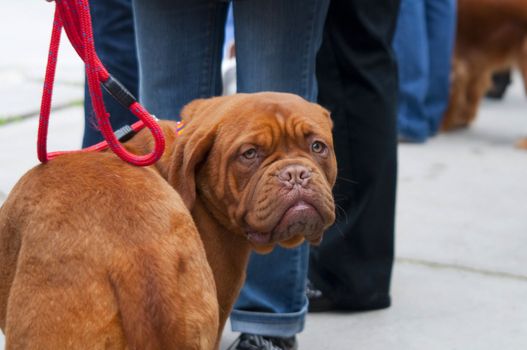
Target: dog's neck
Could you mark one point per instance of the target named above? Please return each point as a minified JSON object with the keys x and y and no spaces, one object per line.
{"x":228,"y":255}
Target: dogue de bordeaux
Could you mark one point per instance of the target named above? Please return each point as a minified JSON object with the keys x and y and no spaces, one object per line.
{"x":491,"y":36}
{"x":96,"y":253}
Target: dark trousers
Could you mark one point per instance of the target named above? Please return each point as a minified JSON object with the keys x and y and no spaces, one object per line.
{"x":114,"y":35}
{"x":357,"y":77}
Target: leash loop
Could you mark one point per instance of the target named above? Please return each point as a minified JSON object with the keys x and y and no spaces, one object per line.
{"x":74,"y":17}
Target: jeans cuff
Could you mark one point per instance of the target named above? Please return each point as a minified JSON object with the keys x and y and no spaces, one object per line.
{"x":268,"y":323}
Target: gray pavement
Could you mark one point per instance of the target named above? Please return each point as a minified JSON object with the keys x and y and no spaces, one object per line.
{"x":460,"y":279}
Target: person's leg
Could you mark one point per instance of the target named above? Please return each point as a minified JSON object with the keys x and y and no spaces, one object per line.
{"x":113,"y":30}
{"x":272,"y":301}
{"x":276,"y":45}
{"x":411,"y":49}
{"x":180,"y":50}
{"x":357,"y":77}
{"x":441,"y":24}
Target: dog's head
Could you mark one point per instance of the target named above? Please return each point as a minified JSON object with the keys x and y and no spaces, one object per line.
{"x":262,"y":164}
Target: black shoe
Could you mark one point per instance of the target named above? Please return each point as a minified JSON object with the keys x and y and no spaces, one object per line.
{"x":317,"y":301}
{"x":259,"y":342}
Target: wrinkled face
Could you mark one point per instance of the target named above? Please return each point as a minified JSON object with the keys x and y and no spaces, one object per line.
{"x":270,"y":172}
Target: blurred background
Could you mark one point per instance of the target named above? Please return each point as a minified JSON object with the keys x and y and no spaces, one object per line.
{"x":460,"y":277}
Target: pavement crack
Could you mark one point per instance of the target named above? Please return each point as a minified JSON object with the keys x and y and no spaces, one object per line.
{"x":457,"y":267}
{"x":15,"y":118}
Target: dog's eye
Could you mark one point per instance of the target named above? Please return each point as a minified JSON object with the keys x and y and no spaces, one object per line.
{"x":250,"y":153}
{"x":318,"y":147}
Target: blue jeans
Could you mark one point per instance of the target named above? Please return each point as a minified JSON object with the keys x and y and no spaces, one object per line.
{"x":180,"y":50}
{"x":113,"y":30}
{"x":423,"y":46}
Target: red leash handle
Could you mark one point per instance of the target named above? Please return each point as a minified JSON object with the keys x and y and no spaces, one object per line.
{"x":74,"y":15}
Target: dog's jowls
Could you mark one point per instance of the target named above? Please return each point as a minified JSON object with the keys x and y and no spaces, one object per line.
{"x":491,"y":36}
{"x":95,"y":253}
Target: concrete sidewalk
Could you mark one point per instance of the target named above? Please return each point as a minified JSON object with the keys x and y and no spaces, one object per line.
{"x":460,"y":279}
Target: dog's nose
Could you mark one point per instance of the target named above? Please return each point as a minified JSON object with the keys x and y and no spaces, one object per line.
{"x":295,"y":174}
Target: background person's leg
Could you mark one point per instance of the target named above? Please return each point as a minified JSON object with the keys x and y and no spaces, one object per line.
{"x":114,"y":35}
{"x":180,"y":50}
{"x":500,"y":82}
{"x":441,"y":24}
{"x":357,"y":77}
{"x":276,"y":45}
{"x":411,"y":49}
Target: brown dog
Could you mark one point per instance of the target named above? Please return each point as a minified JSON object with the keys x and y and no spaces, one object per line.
{"x":491,"y":36}
{"x":96,"y":253}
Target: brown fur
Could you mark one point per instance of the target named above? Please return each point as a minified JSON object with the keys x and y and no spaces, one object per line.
{"x":491,"y":36}
{"x":95,"y":253}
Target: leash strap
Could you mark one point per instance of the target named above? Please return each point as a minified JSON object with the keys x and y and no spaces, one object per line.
{"x":74,"y":17}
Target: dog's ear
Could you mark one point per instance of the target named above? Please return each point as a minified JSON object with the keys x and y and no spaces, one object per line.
{"x":326,"y":113}
{"x":192,"y":148}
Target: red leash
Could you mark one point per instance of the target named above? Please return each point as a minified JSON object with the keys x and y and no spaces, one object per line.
{"x":74,"y":16}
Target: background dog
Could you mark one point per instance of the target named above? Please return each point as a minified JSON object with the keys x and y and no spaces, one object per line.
{"x":491,"y":36}
{"x":96,"y":253}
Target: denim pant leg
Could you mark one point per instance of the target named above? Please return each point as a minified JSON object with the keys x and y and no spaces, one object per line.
{"x":440,"y":22}
{"x":113,"y":30}
{"x":411,"y":49}
{"x":180,"y":50}
{"x":276,"y":46}
{"x":272,"y":301}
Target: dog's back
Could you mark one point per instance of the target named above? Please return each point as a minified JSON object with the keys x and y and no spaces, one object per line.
{"x":492,"y":28}
{"x":491,"y":36}
{"x":95,"y":253}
